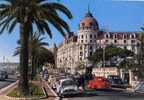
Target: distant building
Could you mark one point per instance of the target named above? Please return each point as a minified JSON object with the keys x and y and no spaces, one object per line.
{"x":77,"y":47}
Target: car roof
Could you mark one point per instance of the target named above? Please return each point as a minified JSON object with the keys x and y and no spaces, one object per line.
{"x":66,"y":79}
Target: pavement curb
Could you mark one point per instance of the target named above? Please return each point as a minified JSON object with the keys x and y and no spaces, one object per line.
{"x":8,"y":87}
{"x":52,"y":90}
{"x":15,"y":98}
{"x":24,"y":98}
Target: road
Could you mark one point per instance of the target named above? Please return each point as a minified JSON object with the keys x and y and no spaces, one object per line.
{"x":107,"y":95}
{"x":11,"y":79}
{"x":107,"y":98}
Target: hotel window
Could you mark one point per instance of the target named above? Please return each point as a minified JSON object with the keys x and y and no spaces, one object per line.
{"x":83,"y":24}
{"x":95,"y":36}
{"x":90,"y":36}
{"x":106,"y":41}
{"x":132,"y":36}
{"x":81,"y":41}
{"x":90,"y":41}
{"x":115,"y":36}
{"x":81,"y":53}
{"x":86,"y":36}
{"x":90,"y":53}
{"x":91,"y":47}
{"x":125,"y":41}
{"x":115,"y":41}
{"x":91,"y":24}
{"x":107,"y":36}
{"x":125,"y":36}
{"x":80,"y":58}
{"x":80,"y":47}
{"x":132,"y":41}
{"x":82,"y":36}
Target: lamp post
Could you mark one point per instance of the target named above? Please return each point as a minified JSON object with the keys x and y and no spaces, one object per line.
{"x":104,"y":58}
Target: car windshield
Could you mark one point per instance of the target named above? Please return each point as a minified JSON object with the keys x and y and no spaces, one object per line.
{"x":69,"y":82}
{"x":114,"y":77}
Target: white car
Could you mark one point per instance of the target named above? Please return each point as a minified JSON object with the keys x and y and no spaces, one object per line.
{"x":67,"y":87}
{"x":139,"y":88}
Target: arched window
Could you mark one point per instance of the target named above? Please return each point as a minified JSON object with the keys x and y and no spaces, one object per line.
{"x":83,"y":24}
{"x":82,"y":36}
{"x":80,"y":47}
{"x":91,"y":24}
{"x":132,"y":36}
{"x":107,"y":36}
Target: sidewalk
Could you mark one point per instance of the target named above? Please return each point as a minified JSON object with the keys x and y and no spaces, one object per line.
{"x":51,"y":95}
{"x":5,"y":90}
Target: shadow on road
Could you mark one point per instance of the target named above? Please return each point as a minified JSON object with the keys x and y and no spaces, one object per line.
{"x":108,"y":92}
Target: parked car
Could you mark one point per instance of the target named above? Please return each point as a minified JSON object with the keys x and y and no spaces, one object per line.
{"x":3,"y":75}
{"x":115,"y":80}
{"x":139,"y":88}
{"x":99,"y":83}
{"x":67,"y":87}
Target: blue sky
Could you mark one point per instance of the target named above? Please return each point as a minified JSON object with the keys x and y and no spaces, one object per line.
{"x":114,"y":15}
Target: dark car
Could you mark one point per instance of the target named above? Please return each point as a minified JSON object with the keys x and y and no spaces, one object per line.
{"x":115,"y":80}
{"x":3,"y":75}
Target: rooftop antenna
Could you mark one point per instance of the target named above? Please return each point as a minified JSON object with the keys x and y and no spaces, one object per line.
{"x":88,"y":14}
{"x":89,"y":6}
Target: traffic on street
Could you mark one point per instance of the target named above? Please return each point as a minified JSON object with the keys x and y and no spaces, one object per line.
{"x":6,"y":79}
{"x":76,"y":87}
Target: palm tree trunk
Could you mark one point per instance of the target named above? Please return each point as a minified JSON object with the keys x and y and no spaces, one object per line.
{"x":33,"y":67}
{"x":23,"y":81}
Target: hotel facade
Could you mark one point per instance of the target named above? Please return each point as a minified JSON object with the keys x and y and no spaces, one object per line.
{"x":80,"y":45}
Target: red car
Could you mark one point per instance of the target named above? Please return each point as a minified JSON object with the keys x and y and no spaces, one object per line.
{"x":99,"y":83}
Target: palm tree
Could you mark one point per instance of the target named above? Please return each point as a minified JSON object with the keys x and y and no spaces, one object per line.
{"x":45,"y":56}
{"x":140,"y":55}
{"x":27,"y":13}
{"x":35,"y":45}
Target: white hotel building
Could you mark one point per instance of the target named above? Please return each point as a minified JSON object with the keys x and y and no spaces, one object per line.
{"x":80,"y":45}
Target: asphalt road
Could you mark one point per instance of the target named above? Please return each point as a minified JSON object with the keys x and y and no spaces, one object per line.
{"x":4,"y":83}
{"x":106,"y":95}
{"x":107,"y":98}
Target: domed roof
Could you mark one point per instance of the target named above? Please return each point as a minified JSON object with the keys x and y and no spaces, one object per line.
{"x":89,"y":22}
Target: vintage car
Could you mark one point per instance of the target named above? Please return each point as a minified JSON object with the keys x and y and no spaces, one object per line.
{"x":99,"y":83}
{"x":139,"y":88}
{"x":3,"y":75}
{"x":67,"y":87}
{"x":115,"y":80}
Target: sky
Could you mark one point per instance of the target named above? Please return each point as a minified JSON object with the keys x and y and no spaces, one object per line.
{"x":113,"y":15}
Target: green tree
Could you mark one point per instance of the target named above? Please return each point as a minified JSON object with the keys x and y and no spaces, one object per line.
{"x":110,"y":51}
{"x":27,"y":13}
{"x":36,"y":47}
{"x":140,"y":55}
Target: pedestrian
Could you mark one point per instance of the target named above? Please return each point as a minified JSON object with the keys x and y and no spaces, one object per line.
{"x":83,"y":81}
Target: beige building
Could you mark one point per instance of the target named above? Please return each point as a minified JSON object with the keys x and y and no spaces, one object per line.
{"x":77,"y":47}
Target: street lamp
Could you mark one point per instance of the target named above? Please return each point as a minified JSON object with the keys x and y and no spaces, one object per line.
{"x":104,"y":58}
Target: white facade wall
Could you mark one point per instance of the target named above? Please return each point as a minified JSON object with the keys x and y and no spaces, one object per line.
{"x":70,"y":53}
